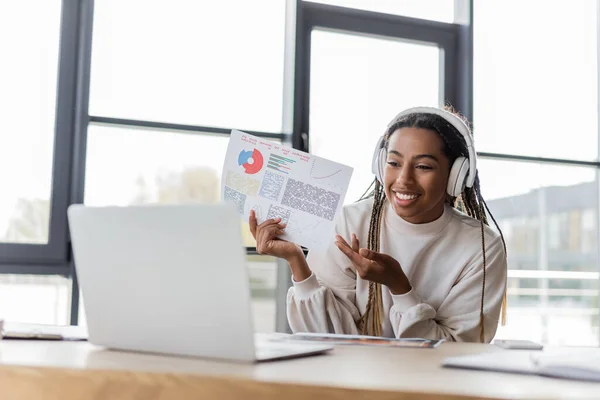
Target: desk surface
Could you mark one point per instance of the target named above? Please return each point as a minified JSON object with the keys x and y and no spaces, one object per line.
{"x":74,"y":370}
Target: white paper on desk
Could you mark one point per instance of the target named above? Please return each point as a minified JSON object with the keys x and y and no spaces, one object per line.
{"x":23,"y":330}
{"x":582,"y":365}
{"x":305,"y":191}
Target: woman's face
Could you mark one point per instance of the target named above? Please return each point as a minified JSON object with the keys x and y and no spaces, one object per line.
{"x":416,"y":174}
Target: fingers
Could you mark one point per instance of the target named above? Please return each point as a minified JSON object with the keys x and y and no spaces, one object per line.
{"x":355,"y":245}
{"x":271,"y":231}
{"x":267,"y":232}
{"x":253,"y":223}
{"x":270,"y":221}
{"x":254,"y":226}
{"x":380,"y":258}
{"x":366,"y":253}
{"x":359,"y":261}
{"x":342,"y":241}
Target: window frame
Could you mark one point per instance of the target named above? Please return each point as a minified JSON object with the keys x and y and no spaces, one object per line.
{"x":54,"y":257}
{"x":73,"y":119}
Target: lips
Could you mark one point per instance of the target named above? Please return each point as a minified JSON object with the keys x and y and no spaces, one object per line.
{"x":405,"y":198}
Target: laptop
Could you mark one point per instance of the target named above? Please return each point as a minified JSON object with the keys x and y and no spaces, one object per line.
{"x":170,"y":279}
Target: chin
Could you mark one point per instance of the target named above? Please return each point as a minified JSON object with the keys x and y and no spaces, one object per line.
{"x":409,"y":216}
{"x":406,"y":212}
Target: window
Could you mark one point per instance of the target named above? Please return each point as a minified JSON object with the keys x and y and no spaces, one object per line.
{"x":28,"y":76}
{"x":522,"y":74}
{"x":344,"y":127}
{"x":263,"y":282}
{"x":209,"y":63}
{"x":158,"y":67}
{"x":42,"y":299}
{"x":137,"y":166}
{"x":536,"y":84}
{"x":127,"y":166}
{"x":545,"y":197}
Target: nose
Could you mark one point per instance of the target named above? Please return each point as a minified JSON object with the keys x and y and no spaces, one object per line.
{"x":405,"y":176}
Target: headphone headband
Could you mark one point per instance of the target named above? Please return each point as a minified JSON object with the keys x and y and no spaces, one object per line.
{"x":457,"y":123}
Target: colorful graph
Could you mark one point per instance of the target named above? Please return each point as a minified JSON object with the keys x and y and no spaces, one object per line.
{"x":252,"y":161}
{"x":279,"y":163}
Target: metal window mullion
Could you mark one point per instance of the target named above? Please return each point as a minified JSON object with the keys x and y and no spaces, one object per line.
{"x":374,"y":23}
{"x":464,"y":72}
{"x":34,"y":269}
{"x":598,"y":156}
{"x":182,"y":128}
{"x":537,"y":160}
{"x":80,"y":126}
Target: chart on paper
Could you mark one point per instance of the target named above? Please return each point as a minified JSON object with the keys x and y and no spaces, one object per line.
{"x":305,"y":191}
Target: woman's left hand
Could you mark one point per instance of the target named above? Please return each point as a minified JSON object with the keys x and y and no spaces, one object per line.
{"x":375,"y":267}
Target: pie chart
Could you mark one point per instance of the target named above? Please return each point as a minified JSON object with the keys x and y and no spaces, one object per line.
{"x":252,"y":161}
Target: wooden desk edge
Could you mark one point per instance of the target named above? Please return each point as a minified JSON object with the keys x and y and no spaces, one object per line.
{"x":21,"y":382}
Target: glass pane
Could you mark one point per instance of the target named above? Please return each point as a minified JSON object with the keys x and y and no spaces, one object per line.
{"x":345,"y":127}
{"x":139,"y":166}
{"x":535,"y":85}
{"x":29,"y":35}
{"x":436,"y":10}
{"x":35,"y":299}
{"x":211,"y":63}
{"x":263,"y":280}
{"x":548,"y":215}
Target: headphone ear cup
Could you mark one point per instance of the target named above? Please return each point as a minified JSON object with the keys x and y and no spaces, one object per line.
{"x":378,"y":160}
{"x":458,"y":176}
{"x":381,"y":165}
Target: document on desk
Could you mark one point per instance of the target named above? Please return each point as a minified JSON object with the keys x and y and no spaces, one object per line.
{"x":583,"y":366}
{"x":305,"y":191}
{"x":20,"y":330}
{"x":343,"y":339}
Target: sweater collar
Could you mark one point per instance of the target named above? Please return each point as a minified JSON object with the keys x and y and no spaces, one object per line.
{"x":404,"y":227}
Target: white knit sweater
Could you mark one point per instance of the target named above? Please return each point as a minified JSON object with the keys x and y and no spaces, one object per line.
{"x":442,"y":260}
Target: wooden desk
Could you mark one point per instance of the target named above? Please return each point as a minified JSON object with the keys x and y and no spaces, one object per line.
{"x":78,"y":370}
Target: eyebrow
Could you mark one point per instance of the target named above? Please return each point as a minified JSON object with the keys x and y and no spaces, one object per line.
{"x":417,"y":157}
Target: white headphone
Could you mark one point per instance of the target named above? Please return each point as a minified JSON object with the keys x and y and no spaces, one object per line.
{"x":462,"y":172}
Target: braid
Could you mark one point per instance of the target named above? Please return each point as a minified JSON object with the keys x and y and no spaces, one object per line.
{"x":481,"y":316}
{"x":372,"y":319}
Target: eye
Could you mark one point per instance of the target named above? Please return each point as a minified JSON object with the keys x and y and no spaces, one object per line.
{"x":425,"y":167}
{"x":393,"y":163}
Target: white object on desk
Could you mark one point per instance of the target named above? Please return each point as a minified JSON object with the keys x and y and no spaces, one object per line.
{"x":579,"y":366}
{"x":518,"y":344}
{"x":19,"y":330}
{"x":169,"y":279}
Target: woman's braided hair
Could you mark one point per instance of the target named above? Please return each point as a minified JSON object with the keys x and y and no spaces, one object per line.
{"x":470,"y":202}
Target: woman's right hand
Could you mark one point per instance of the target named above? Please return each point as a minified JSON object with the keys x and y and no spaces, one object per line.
{"x":267,"y":238}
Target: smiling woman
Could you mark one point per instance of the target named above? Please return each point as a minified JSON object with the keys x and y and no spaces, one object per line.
{"x":428,"y":270}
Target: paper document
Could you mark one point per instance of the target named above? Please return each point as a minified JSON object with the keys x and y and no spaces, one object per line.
{"x":21,"y":330}
{"x":580,"y":364}
{"x":276,"y":181}
{"x":336,"y":338}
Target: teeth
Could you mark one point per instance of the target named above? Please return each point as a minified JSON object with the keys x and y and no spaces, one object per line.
{"x":402,"y":196}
